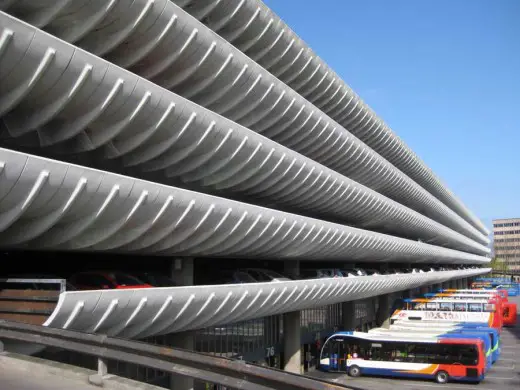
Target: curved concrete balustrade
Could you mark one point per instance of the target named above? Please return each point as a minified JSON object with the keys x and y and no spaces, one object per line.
{"x":47,"y":204}
{"x":258,"y":32}
{"x":161,"y":42}
{"x":140,"y":313}
{"x":155,"y":130}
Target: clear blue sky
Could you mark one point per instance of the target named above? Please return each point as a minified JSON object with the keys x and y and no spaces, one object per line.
{"x":443,"y":74}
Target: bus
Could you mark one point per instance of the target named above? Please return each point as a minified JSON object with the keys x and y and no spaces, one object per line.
{"x":490,"y":292}
{"x":513,"y":289}
{"x":439,"y":358}
{"x":501,"y":295}
{"x":483,"y":311}
{"x":494,"y":283}
{"x":507,"y":310}
{"x":494,"y":335}
{"x":438,"y":324}
{"x":486,"y":337}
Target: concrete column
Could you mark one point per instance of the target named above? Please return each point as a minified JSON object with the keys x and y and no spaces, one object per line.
{"x":182,"y":274}
{"x":292,"y":268}
{"x":292,"y":327}
{"x":182,"y":271}
{"x":348,"y":314}
{"x":182,"y":340}
{"x":383,"y":313}
{"x":292,"y":342}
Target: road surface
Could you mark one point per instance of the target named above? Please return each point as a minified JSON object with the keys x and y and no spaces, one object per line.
{"x":19,"y":378}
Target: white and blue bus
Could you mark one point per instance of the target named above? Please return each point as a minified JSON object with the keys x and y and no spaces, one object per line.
{"x":439,"y":358}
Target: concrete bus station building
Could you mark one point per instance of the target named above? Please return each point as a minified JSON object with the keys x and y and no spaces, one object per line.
{"x":201,"y":140}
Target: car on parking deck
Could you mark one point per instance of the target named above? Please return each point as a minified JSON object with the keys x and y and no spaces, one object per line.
{"x":102,"y":280}
{"x":264,"y":275}
{"x":155,"y":279}
{"x":234,"y":277}
{"x":352,"y":272}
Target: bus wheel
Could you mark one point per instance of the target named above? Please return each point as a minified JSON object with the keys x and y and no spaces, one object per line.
{"x":441,"y":377}
{"x":354,"y":371}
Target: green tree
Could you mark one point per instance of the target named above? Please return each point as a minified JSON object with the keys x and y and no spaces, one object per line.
{"x":499,"y":265}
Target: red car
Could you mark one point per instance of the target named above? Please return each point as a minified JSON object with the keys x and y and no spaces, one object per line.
{"x":101,"y":280}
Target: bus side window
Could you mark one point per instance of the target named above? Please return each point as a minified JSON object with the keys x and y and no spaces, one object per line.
{"x":380,"y":351}
{"x":417,"y":353}
{"x":398,"y":352}
{"x":469,"y":355}
{"x":460,"y":306}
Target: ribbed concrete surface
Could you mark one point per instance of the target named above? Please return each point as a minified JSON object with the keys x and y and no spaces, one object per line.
{"x":148,"y":127}
{"x":162,"y":43}
{"x":146,"y":312}
{"x":255,"y":30}
{"x":47,"y":204}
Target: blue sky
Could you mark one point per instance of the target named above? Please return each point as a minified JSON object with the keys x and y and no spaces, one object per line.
{"x":444,"y":74}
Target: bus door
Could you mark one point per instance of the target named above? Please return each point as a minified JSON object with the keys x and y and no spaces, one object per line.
{"x":343,"y":355}
{"x":338,"y":354}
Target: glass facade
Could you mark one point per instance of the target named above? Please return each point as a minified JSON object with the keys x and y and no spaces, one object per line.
{"x":254,"y":340}
{"x":320,"y":318}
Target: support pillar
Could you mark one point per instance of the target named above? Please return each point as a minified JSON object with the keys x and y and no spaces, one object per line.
{"x":348,"y":314}
{"x":183,"y":340}
{"x":182,"y":269}
{"x":292,"y":328}
{"x":182,"y":274}
{"x":292,"y":342}
{"x":383,"y":313}
{"x":292,"y":268}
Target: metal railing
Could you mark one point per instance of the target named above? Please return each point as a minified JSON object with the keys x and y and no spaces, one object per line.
{"x":231,"y":373}
{"x":30,"y":300}
{"x":34,"y":282}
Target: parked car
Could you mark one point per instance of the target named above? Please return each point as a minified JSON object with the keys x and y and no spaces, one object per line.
{"x":354,"y":272}
{"x":394,"y":271}
{"x":264,"y":275}
{"x":371,"y":271}
{"x":155,"y":279}
{"x":234,"y":277}
{"x":101,"y":280}
{"x":320,"y":273}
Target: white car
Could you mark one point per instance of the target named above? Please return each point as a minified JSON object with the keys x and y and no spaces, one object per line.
{"x":264,"y":275}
